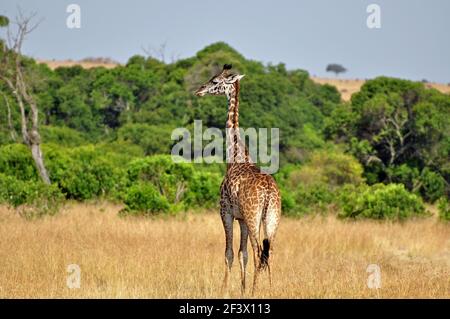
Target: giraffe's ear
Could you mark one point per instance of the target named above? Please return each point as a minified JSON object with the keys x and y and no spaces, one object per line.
{"x":233,"y":78}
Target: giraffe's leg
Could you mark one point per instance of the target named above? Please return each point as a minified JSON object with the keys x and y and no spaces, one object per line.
{"x":227,"y":220}
{"x":256,"y":257}
{"x":270,"y":261}
{"x":243,"y":254}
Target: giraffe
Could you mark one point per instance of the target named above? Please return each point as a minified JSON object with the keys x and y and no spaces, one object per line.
{"x":247,"y":194}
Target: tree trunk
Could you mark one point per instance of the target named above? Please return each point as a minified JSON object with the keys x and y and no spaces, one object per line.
{"x":39,"y":161}
{"x":31,"y":138}
{"x":34,"y":138}
{"x":12,"y":74}
{"x":12,"y":131}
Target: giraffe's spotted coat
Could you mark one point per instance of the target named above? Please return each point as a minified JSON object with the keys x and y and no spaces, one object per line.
{"x":247,"y":194}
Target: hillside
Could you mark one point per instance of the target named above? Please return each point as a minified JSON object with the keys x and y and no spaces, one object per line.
{"x":87,"y":64}
{"x":349,"y":86}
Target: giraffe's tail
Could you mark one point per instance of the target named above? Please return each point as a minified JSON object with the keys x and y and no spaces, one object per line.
{"x":264,"y":261}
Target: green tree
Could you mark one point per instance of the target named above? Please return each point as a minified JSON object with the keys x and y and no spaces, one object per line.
{"x":391,"y":123}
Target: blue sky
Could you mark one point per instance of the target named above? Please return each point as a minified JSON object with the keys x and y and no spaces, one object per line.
{"x":413,"y":41}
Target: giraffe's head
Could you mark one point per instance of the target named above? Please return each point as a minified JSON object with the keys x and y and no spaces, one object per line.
{"x":220,"y":84}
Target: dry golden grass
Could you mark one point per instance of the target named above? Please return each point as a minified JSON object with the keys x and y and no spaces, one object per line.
{"x":53,"y":64}
{"x":183,"y":256}
{"x":347,"y":87}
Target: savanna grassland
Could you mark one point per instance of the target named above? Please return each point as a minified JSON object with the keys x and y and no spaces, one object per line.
{"x":81,"y":137}
{"x":182,"y":256}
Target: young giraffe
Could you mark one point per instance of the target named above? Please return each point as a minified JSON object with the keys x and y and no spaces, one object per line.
{"x":247,"y":194}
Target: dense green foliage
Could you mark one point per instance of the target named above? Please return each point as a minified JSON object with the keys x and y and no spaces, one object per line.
{"x":400,"y":131}
{"x":106,"y":133}
{"x":144,"y":198}
{"x":380,"y":201}
{"x":33,"y":199}
{"x":313,"y":186}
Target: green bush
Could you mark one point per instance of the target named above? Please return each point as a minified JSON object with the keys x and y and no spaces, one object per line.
{"x":444,"y":208}
{"x":179,"y":185}
{"x":144,"y":199}
{"x":170,"y":179}
{"x":31,"y":198}
{"x":16,"y":160}
{"x":405,"y":175}
{"x":307,"y":200}
{"x":380,"y":201}
{"x":61,"y":135}
{"x":328,"y":167}
{"x":432,"y":185}
{"x":204,"y":190}
{"x":313,"y":187}
{"x":317,"y":196}
{"x":428,"y":184}
{"x":151,"y":138}
{"x":123,"y":151}
{"x":84,"y":173}
{"x":288,"y":203}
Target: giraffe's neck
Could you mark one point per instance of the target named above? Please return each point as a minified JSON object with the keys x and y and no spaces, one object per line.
{"x":236,"y":150}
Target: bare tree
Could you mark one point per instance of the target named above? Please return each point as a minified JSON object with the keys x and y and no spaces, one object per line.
{"x":174,"y":57}
{"x":160,"y":53}
{"x":12,"y":130}
{"x":12,"y":73}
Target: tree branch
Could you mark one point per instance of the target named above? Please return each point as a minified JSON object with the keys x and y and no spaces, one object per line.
{"x":12,"y":131}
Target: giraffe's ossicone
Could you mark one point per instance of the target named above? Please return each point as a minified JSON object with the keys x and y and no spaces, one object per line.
{"x":247,"y":194}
